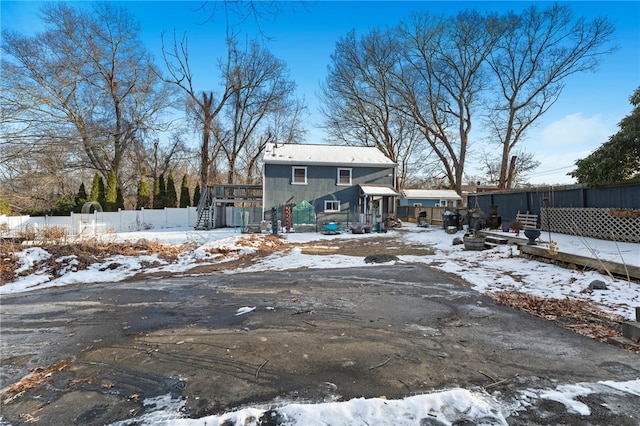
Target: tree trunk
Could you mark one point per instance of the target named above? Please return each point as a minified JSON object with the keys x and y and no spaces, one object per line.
{"x":512,"y":172}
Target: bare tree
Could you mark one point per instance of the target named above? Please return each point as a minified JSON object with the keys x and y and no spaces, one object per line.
{"x":256,"y":105}
{"x":442,"y":79}
{"x":34,"y":180}
{"x":202,"y":106}
{"x":283,"y":126}
{"x":86,"y":83}
{"x":520,"y":165}
{"x":236,"y":13}
{"x":531,"y":61}
{"x":260,"y":89}
{"x":360,"y":105}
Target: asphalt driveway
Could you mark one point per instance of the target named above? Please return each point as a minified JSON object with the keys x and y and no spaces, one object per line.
{"x":385,"y":330}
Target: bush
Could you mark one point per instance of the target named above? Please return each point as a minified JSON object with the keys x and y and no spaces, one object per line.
{"x":54,"y":234}
{"x":4,"y":207}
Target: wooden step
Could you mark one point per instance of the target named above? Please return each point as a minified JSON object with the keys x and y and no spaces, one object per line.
{"x":496,"y":240}
{"x":631,"y":330}
{"x":623,"y":342}
{"x":630,"y":333}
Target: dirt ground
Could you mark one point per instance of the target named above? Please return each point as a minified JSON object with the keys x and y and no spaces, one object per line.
{"x":92,"y":354}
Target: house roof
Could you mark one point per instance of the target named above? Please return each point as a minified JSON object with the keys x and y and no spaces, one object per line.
{"x":338,"y":155}
{"x":424,"y":194}
{"x":374,"y":190}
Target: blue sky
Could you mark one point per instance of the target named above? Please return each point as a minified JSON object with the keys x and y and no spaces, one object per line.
{"x":304,"y":35}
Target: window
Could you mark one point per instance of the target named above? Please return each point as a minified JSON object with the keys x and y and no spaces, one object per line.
{"x":299,"y":175}
{"x":344,"y":176}
{"x":331,"y":205}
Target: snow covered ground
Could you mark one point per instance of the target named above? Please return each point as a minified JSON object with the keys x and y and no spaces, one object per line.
{"x":490,"y":270}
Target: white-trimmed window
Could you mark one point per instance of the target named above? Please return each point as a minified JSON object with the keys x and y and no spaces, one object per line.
{"x":299,"y":175}
{"x":344,"y":176}
{"x":331,"y":205}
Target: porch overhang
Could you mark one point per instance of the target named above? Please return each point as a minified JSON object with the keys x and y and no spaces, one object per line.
{"x":378,"y":191}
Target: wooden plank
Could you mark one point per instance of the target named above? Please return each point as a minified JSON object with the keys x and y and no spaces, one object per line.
{"x":509,"y":236}
{"x":495,"y":239}
{"x":615,"y":268}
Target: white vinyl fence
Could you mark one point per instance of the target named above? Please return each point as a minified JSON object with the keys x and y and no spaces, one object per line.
{"x":101,"y":222}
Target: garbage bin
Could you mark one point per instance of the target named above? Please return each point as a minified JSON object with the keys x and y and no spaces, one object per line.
{"x":422,"y":219}
{"x":450,"y":218}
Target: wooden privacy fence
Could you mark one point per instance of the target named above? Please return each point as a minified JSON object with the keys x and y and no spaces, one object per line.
{"x":433,"y":214}
{"x":605,"y":224}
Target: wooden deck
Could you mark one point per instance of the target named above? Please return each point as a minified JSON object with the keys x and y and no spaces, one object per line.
{"x":616,"y":268}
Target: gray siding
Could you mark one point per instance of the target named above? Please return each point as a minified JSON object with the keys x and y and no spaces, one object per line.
{"x":321,"y":185}
{"x":532,"y":199}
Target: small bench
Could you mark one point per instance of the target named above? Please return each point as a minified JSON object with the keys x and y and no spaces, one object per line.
{"x":527,"y":220}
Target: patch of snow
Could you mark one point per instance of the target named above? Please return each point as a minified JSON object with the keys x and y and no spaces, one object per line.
{"x":29,"y":257}
{"x":566,"y":395}
{"x":244,"y":310}
{"x":446,"y":407}
{"x":632,"y":386}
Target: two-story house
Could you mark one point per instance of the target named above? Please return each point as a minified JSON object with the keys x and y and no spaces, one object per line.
{"x":352,"y":182}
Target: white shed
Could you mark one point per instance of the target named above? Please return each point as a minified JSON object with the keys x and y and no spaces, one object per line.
{"x":430,"y":198}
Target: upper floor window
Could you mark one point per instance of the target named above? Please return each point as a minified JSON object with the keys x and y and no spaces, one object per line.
{"x":344,"y":176}
{"x":299,"y":175}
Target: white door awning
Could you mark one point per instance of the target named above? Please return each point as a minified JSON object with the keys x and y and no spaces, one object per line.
{"x":378,"y":191}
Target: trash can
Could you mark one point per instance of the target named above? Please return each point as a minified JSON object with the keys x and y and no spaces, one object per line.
{"x":450,"y":218}
{"x":422,"y":219}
